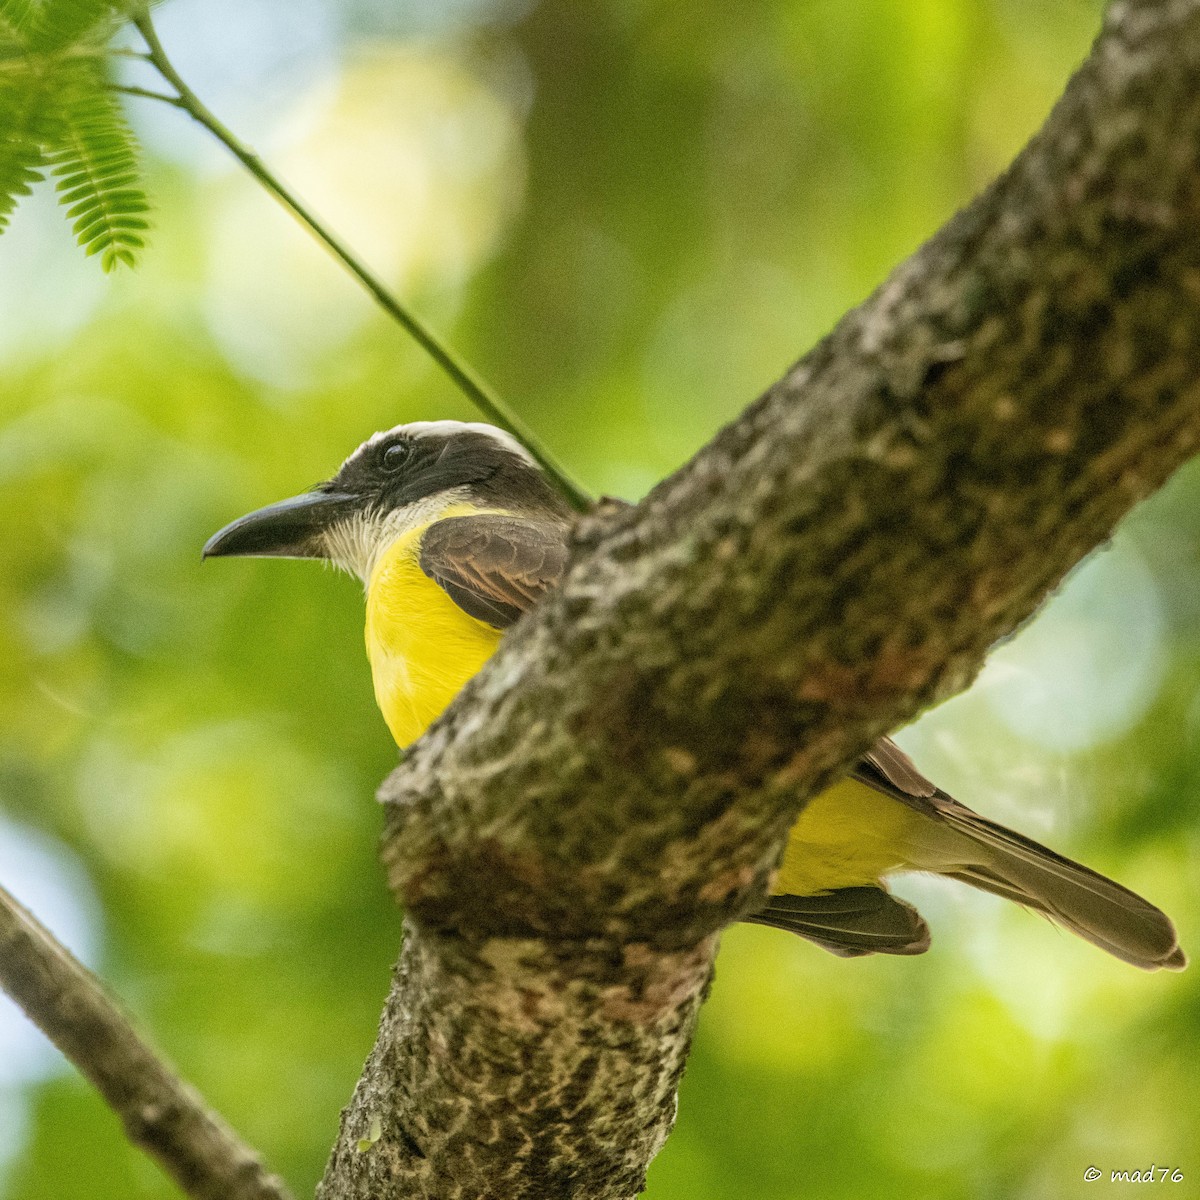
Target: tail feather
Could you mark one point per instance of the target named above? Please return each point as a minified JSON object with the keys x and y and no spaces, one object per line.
{"x":849,"y":922}
{"x":1082,"y":900}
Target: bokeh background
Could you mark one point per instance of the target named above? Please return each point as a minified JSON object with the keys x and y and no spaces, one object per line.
{"x":632,"y":216}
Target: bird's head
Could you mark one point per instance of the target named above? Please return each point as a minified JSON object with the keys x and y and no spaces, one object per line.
{"x":395,"y":481}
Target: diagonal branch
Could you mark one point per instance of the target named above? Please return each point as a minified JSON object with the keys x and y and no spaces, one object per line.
{"x":161,"y":1113}
{"x":616,"y":786}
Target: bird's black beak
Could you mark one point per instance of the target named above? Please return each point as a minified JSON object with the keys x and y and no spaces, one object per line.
{"x":290,"y":529}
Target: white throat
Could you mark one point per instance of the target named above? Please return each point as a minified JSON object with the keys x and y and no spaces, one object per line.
{"x":355,"y":545}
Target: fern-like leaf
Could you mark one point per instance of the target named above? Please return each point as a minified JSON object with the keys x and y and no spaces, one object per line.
{"x":63,"y":24}
{"x":98,"y":181}
{"x":58,"y":110}
{"x":21,"y":153}
{"x":20,"y":16}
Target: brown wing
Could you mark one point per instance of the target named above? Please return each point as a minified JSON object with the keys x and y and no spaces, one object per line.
{"x":887,"y":769}
{"x":849,"y":922}
{"x":494,"y":567}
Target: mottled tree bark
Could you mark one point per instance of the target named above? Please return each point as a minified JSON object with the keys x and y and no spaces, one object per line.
{"x":615,"y":787}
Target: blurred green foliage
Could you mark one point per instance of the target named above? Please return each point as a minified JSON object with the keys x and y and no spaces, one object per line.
{"x":631,"y":216}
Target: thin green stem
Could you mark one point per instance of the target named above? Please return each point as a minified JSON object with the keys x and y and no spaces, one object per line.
{"x":130,"y":89}
{"x":470,"y":383}
{"x":103,"y":52}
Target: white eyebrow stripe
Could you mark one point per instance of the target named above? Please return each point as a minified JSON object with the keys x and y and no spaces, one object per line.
{"x":449,"y":428}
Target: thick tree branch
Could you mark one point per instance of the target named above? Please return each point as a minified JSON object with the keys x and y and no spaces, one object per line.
{"x":161,"y":1113}
{"x":615,"y":787}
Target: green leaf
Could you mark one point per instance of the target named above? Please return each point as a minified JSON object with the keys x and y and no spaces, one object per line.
{"x":62,"y":24}
{"x":95,"y":160}
{"x":22,"y":122}
{"x":20,"y":16}
{"x":374,"y":1133}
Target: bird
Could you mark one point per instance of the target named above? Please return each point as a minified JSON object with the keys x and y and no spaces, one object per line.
{"x":456,"y":532}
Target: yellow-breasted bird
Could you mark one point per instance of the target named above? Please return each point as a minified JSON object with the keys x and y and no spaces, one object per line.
{"x":455,"y":532}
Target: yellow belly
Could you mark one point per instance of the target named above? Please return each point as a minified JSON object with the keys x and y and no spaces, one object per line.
{"x":848,"y":836}
{"x":421,"y":645}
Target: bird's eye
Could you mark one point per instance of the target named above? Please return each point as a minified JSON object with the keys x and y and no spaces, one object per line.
{"x":394,"y":456}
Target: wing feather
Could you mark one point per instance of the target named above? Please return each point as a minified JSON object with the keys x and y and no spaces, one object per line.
{"x":849,"y":922}
{"x":494,"y":567}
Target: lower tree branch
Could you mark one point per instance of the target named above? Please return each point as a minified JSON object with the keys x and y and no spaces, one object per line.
{"x":582,"y":1043}
{"x":161,"y":1114}
{"x":617,"y":784}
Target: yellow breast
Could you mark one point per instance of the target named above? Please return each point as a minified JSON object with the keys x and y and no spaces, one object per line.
{"x":848,"y":836}
{"x":421,"y":645}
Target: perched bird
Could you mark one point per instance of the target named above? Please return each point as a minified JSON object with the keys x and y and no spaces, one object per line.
{"x":455,"y":532}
